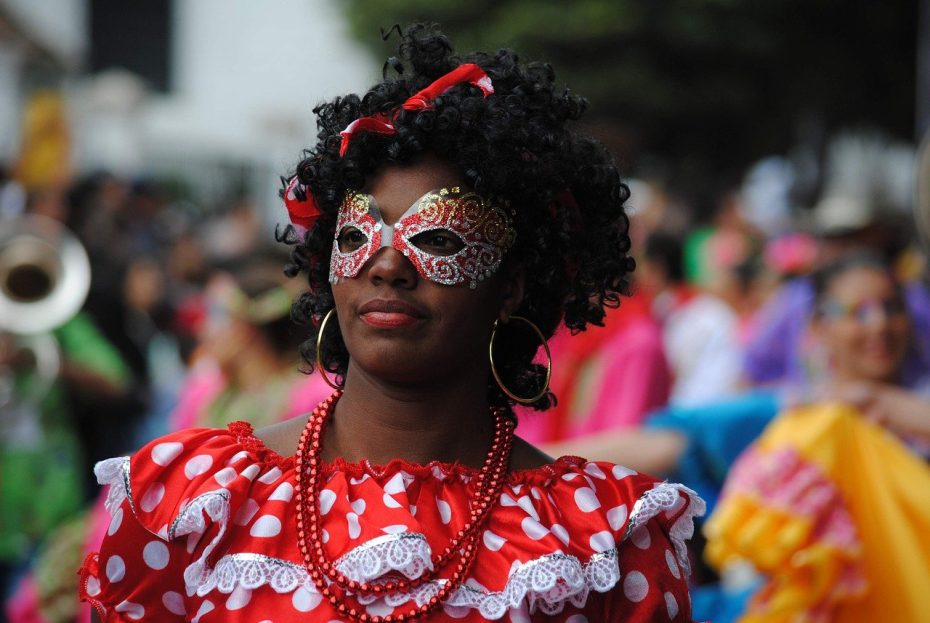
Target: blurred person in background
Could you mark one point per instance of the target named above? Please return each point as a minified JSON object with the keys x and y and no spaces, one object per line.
{"x":245,"y":367}
{"x":830,"y":504}
{"x":700,"y":331}
{"x":777,"y":352}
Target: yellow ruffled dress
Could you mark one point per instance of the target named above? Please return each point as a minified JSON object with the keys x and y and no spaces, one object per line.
{"x":834,"y":511}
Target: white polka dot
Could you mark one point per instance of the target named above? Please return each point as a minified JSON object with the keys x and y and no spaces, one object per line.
{"x":413,"y":510}
{"x":238,"y":456}
{"x":602,"y":541}
{"x":271,"y":477}
{"x":394,"y":529}
{"x":577,"y":618}
{"x":174,"y":603}
{"x":163,"y":532}
{"x":507,"y":500}
{"x":198,"y":465}
{"x":560,"y":533}
{"x":358,"y":481}
{"x":592,"y":469}
{"x":326,"y":499}
{"x":325,"y":535}
{"x":569,"y":476}
{"x":517,"y":489}
{"x":527,"y":505}
{"x":205,"y":607}
{"x":640,"y":537}
{"x":586,"y":500}
{"x":493,"y":541}
{"x":132,"y":610}
{"x":358,"y":506}
{"x":250,"y":472}
{"x":155,"y":555}
{"x":395,"y":485}
{"x":225,"y":476}
{"x":246,"y":512}
{"x":152,"y":497}
{"x":390,"y":502}
{"x":535,"y":493}
{"x":239,"y":598}
{"x":533,"y":528}
{"x":164,"y":453}
{"x":304,"y":600}
{"x":445,"y":511}
{"x":620,"y":472}
{"x":671,"y":604}
{"x":283,"y":493}
{"x":266,"y":526}
{"x":116,"y":569}
{"x":672,"y":564}
{"x":616,"y":516}
{"x":354,"y":528}
{"x":115,"y":522}
{"x":93,"y":586}
{"x":635,"y":586}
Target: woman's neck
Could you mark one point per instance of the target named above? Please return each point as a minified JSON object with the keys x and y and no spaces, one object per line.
{"x":379,"y":421}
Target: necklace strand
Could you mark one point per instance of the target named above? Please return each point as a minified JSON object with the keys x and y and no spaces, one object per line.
{"x":323,"y":572}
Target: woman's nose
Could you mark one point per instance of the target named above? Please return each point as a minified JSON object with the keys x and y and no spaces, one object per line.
{"x":392,"y":267}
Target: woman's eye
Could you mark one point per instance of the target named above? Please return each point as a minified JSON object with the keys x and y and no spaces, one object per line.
{"x":351,"y":239}
{"x":439,"y":242}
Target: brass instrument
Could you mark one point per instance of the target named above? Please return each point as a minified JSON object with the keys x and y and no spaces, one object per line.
{"x":44,"y":280}
{"x":44,"y":275}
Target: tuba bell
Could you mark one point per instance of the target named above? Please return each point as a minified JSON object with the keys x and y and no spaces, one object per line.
{"x":44,"y":275}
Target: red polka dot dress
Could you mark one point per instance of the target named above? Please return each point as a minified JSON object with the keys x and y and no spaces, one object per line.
{"x":204,"y":530}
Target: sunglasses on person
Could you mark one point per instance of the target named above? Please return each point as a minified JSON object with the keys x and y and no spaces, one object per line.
{"x":863,"y":312}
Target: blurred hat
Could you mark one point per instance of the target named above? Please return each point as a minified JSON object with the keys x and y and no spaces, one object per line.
{"x":840,"y":215}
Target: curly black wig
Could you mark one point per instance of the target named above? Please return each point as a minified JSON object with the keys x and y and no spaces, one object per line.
{"x":572,"y":237}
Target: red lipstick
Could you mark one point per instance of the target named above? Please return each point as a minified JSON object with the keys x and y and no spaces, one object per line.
{"x":390,"y":313}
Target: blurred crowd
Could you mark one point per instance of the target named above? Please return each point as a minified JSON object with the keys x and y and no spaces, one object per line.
{"x":186,"y":323}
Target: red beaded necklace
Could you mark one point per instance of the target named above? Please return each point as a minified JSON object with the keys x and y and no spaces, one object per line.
{"x":323,"y":572}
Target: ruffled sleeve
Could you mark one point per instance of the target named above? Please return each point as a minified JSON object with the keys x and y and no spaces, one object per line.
{"x":633,"y":530}
{"x":169,"y":506}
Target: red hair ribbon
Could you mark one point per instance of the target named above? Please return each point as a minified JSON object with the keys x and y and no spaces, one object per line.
{"x":303,"y":213}
{"x":381,"y":123}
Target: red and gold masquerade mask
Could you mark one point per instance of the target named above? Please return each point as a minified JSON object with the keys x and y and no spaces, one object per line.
{"x":450,"y":236}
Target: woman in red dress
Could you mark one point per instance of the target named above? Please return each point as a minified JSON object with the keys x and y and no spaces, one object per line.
{"x":447,"y":222}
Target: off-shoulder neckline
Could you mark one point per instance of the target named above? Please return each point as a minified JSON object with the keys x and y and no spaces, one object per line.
{"x":244,"y":433}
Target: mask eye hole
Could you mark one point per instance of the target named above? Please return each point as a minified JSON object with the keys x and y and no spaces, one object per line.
{"x":440,"y":242}
{"x":351,"y":239}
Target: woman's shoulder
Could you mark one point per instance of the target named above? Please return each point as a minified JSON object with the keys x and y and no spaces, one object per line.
{"x":188,"y":472}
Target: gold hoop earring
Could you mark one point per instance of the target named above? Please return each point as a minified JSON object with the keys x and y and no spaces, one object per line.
{"x":497,"y":377}
{"x":319,"y":350}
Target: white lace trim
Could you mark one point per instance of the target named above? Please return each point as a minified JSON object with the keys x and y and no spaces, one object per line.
{"x":545,"y":584}
{"x":665,"y":497}
{"x":190,"y":520}
{"x":115,"y":474}
{"x":406,"y":552}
